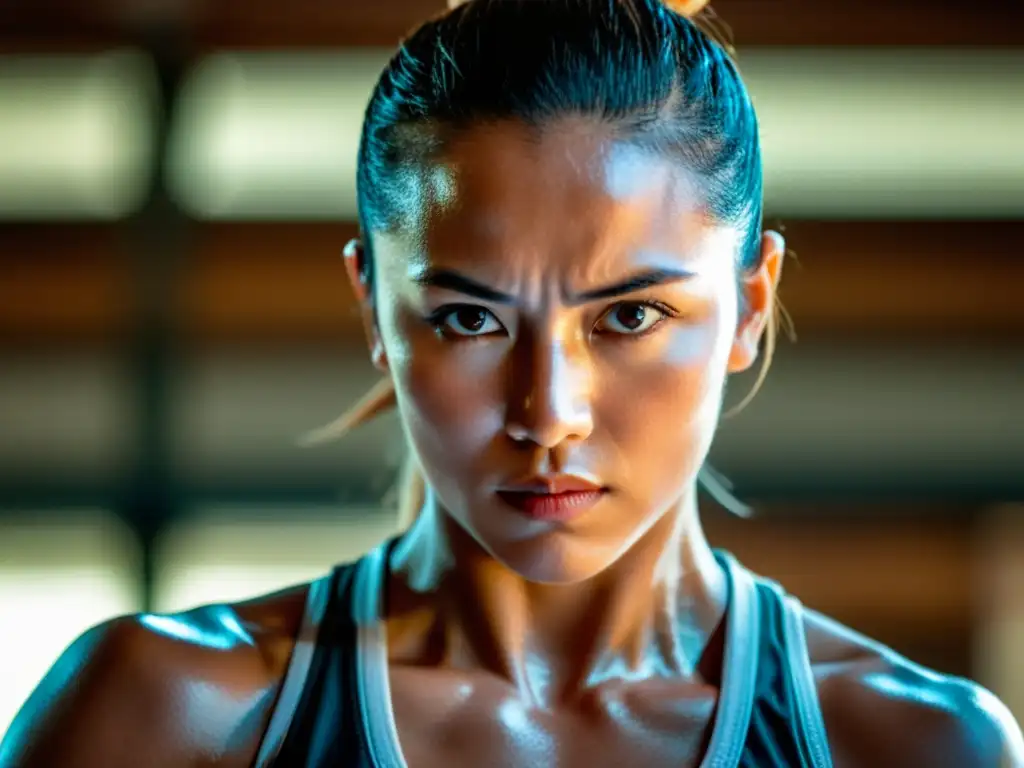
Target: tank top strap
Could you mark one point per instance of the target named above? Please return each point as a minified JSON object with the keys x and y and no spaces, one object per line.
{"x":379,"y":730}
{"x":739,"y":667}
{"x":324,"y":639}
{"x":317,"y":599}
{"x":804,"y":686}
{"x":795,"y":690}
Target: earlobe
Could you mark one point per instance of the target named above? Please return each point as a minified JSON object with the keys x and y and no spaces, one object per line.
{"x":355,"y":266}
{"x":745,"y":346}
{"x":378,"y":355}
{"x":758,"y":288}
{"x":358,"y":275}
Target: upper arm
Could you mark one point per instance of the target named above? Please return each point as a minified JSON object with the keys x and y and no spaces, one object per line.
{"x":997,"y":734}
{"x":974,"y":728}
{"x":902,"y":716}
{"x":91,"y":708}
{"x":131,"y":694}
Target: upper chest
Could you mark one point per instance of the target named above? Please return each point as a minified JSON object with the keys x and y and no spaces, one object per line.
{"x":440,"y":718}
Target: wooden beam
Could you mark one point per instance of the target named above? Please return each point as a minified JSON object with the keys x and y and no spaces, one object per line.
{"x":875,"y":571}
{"x":754,"y":22}
{"x":1000,"y":615}
{"x":275,"y":281}
{"x":922,"y":278}
{"x":28,"y":26}
{"x":64,"y":283}
{"x":310,"y":23}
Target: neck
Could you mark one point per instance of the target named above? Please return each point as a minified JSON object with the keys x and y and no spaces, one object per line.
{"x":648,"y":615}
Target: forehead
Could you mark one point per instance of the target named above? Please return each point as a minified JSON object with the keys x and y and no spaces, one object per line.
{"x":568,"y":193}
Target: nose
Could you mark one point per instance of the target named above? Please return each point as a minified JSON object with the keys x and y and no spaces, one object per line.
{"x":550,"y":394}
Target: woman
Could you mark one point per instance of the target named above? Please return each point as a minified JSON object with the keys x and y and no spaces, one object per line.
{"x":562,"y":264}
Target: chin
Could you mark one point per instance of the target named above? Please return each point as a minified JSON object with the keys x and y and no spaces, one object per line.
{"x":545,"y":554}
{"x":555,"y":558}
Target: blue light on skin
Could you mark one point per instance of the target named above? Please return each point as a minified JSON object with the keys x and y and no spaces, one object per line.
{"x":224,"y":634}
{"x":531,"y":739}
{"x":212,"y":710}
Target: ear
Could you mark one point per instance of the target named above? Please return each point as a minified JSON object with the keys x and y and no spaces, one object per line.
{"x":758,"y":288}
{"x":358,"y":275}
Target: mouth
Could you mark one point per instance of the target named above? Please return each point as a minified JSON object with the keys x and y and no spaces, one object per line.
{"x":553,"y":498}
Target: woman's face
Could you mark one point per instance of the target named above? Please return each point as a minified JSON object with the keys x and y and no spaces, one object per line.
{"x":559,"y":316}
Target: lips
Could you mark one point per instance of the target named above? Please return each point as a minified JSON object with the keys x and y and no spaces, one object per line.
{"x":554,"y":484}
{"x":556,"y":498}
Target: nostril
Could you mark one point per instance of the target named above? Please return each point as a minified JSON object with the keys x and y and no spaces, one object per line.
{"x":518,"y":433}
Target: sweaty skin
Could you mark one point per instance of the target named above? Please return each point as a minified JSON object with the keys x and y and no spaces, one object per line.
{"x":555,"y":302}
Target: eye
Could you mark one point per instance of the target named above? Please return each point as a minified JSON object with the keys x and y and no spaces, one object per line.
{"x":466,"y":320}
{"x":633,"y":318}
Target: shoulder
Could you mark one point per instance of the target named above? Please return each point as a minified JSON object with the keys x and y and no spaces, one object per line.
{"x":187,"y":687}
{"x":881,"y":709}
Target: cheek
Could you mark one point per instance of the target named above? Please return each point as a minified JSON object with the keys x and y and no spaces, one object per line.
{"x":665,"y":405}
{"x":449,"y":393}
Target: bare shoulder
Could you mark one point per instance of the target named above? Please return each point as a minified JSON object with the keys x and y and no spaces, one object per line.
{"x":881,"y":709}
{"x":161,"y":690}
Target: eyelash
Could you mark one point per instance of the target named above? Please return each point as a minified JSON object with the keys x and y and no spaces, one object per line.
{"x":666,"y":311}
{"x":437,"y":319}
{"x":439,"y":316}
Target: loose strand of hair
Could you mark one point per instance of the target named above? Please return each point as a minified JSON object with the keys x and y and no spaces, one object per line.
{"x":379,"y":399}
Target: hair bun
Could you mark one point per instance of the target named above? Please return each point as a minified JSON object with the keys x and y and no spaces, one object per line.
{"x":688,"y":8}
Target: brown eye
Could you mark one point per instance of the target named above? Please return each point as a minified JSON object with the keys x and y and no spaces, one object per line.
{"x":631,"y":318}
{"x":469,"y":321}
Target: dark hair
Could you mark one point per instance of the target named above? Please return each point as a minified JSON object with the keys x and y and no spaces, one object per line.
{"x":654,"y":75}
{"x":645,"y":70}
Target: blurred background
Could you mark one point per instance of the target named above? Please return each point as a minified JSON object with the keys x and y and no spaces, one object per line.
{"x":176,"y":185}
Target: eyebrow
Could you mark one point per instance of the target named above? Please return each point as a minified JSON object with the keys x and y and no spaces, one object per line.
{"x":454,"y":281}
{"x":632,"y":284}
